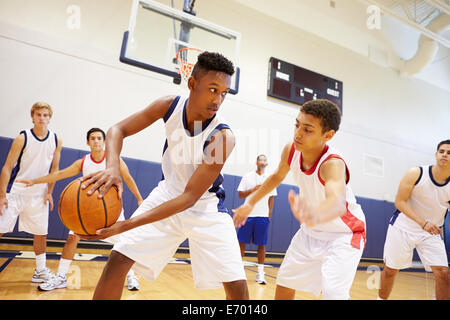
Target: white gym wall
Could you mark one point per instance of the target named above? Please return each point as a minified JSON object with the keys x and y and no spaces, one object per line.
{"x":44,"y":56}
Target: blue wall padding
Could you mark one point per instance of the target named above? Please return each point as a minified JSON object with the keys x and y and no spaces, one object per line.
{"x":282,"y":227}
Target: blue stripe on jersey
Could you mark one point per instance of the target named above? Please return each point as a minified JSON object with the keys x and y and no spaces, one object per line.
{"x":41,"y":140}
{"x":420,"y":176}
{"x":434,"y":181}
{"x":16,"y":169}
{"x":216,"y":129}
{"x":216,"y":187}
{"x":166,"y":145}
{"x":394,"y":217}
{"x":171,"y":108}
{"x":204,"y":124}
{"x":220,"y":193}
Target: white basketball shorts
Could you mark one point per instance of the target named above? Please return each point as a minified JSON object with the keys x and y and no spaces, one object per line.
{"x":31,"y":211}
{"x":316,"y":265}
{"x":399,"y":246}
{"x":213,"y":245}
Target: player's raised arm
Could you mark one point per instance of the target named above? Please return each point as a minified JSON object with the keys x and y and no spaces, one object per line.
{"x":114,"y":141}
{"x":273,"y":181}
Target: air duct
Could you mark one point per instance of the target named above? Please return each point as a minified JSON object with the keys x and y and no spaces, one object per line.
{"x":428,"y":47}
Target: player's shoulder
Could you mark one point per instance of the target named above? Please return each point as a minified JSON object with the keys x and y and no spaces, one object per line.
{"x":168,"y":99}
{"x":223,"y":132}
{"x":21,"y":138}
{"x":413,"y":174}
{"x":58,"y":140}
{"x":165,"y":105}
{"x":288,"y":151}
{"x":18,"y":142}
{"x":333,"y":162}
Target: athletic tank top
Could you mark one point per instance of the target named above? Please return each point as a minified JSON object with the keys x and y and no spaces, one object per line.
{"x":89,"y":165}
{"x":312,"y":189}
{"x":428,"y":199}
{"x":183,"y":153}
{"x":35,"y":160}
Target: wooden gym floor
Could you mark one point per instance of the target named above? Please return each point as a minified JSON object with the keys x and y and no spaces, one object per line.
{"x":17,"y":265}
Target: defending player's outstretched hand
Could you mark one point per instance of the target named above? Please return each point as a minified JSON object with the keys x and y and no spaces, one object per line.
{"x":106,"y":178}
{"x":241,"y":214}
{"x":301,"y":210}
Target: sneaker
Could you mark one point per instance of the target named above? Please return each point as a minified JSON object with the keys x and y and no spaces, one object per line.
{"x":55,"y":282}
{"x":260,"y":278}
{"x":42,"y":276}
{"x":132,"y":283}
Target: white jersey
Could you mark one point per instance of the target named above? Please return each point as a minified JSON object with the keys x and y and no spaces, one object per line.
{"x":428,"y":199}
{"x":89,"y":165}
{"x":183,"y":153}
{"x":35,"y":160}
{"x":251,"y":180}
{"x":312,"y":189}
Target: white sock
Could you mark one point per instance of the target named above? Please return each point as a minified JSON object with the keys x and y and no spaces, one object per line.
{"x":64,"y":266}
{"x":380,"y":298}
{"x":40,"y":262}
{"x":130,"y":273}
{"x":260,"y":268}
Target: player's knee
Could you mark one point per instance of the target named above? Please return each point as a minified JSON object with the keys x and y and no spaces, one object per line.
{"x":72,"y":238}
{"x":441,"y":274}
{"x":389,"y":272}
{"x":118,"y":261}
{"x":236,"y":290}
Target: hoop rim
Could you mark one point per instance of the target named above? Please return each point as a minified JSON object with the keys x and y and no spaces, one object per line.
{"x":185,"y":67}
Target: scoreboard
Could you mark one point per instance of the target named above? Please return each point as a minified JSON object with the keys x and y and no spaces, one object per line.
{"x":298,"y":85}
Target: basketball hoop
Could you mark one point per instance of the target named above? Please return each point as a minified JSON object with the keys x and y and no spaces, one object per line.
{"x":187,"y":57}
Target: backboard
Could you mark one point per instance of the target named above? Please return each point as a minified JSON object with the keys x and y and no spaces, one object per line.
{"x":156,"y":32}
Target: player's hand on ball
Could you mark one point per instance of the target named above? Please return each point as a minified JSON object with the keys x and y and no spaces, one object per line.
{"x":241,"y":214}
{"x":106,"y":178}
{"x":104,"y":233}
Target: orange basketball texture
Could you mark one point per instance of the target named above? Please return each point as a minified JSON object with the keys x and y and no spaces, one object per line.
{"x":85,"y":214}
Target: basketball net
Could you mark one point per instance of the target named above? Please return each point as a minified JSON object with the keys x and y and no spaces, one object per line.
{"x":186,"y":58}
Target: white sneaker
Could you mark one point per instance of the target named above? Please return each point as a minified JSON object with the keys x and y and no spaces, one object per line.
{"x":132,"y":283}
{"x":55,"y":282}
{"x":260,"y":278}
{"x":42,"y":276}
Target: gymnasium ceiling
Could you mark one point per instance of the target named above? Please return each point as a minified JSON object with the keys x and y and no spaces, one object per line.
{"x":391,"y":45}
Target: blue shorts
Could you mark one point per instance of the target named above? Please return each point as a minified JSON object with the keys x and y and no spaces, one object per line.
{"x":255,"y":230}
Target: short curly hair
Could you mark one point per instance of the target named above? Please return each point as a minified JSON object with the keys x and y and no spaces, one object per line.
{"x":328,"y":113}
{"x":212,"y":61}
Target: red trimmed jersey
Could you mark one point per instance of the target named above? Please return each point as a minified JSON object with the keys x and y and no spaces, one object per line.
{"x":312,"y":190}
{"x":89,"y":165}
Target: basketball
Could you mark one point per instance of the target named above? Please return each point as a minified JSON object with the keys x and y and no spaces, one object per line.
{"x":85,"y":214}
